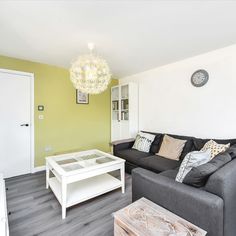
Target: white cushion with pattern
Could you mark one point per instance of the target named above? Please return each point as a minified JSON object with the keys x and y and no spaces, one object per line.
{"x":143,"y":142}
{"x":215,"y":147}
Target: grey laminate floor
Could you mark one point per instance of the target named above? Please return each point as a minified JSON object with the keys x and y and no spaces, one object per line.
{"x":35,"y":210}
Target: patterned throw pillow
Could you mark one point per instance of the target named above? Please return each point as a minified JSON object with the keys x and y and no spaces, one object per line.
{"x":215,"y":148}
{"x":192,"y":159}
{"x":143,"y":142}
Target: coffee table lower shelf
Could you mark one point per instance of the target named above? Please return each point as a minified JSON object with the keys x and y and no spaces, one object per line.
{"x":84,"y":189}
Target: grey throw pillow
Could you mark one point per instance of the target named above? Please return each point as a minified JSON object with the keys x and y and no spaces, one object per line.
{"x":198,"y":176}
{"x":191,"y":160}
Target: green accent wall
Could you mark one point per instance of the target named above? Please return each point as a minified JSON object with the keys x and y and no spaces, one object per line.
{"x":66,"y":126}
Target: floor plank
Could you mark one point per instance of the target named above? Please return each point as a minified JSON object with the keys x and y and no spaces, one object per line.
{"x":35,"y":211}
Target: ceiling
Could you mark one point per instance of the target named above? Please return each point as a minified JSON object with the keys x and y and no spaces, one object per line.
{"x":133,"y":36}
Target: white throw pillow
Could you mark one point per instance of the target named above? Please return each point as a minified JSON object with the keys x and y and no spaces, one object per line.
{"x":143,"y":142}
{"x":192,"y":159}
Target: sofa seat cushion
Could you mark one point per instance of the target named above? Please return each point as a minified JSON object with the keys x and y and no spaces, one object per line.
{"x":132,"y":155}
{"x":170,"y":173}
{"x":158,"y":164}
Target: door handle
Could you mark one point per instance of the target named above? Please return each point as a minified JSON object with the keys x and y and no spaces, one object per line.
{"x":24,"y":125}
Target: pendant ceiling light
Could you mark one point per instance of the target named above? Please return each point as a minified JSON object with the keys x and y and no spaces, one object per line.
{"x":90,"y":73}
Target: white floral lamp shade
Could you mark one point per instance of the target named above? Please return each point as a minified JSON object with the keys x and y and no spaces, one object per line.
{"x":90,"y":74}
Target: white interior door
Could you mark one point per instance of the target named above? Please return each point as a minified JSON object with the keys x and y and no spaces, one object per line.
{"x":15,"y":124}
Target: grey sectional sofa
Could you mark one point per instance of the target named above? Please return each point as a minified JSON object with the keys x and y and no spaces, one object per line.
{"x":212,"y":207}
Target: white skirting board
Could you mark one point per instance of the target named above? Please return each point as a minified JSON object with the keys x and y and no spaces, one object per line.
{"x":39,"y":168}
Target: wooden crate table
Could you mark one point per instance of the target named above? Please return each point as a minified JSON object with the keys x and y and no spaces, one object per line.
{"x":145,"y":218}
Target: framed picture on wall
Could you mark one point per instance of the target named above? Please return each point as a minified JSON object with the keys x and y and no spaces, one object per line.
{"x":82,"y":98}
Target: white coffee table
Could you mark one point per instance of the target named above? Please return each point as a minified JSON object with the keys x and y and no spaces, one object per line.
{"x":79,"y":176}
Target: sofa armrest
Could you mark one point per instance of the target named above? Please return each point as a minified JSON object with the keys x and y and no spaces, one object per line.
{"x":201,"y":208}
{"x":222,"y":183}
{"x":122,"y":144}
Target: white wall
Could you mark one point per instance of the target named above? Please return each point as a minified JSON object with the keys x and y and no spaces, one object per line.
{"x":169,"y":103}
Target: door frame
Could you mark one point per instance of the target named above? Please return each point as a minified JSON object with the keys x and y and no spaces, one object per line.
{"x":31,"y":76}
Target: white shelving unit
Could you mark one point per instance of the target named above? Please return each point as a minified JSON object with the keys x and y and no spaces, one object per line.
{"x":124,"y":111}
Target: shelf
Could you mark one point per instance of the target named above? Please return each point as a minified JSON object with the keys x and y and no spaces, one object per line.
{"x":85,"y":189}
{"x":124,"y":124}
{"x":121,"y":110}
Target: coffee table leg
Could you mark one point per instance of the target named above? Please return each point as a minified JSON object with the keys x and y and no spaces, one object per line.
{"x":63,"y":194}
{"x":122,"y":177}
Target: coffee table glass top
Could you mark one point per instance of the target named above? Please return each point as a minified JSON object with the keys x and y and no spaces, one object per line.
{"x":75,"y":162}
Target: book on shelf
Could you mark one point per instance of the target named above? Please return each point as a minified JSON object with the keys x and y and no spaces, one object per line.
{"x":125,"y":104}
{"x":124,"y":115}
{"x":115,"y":105}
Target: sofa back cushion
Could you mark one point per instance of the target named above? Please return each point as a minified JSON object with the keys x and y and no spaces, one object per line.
{"x":156,"y":143}
{"x":232,"y":151}
{"x":198,"y":143}
{"x":155,"y":147}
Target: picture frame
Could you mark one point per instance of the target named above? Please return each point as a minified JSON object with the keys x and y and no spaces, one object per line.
{"x":82,"y":98}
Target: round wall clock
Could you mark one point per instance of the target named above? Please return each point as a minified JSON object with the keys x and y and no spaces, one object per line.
{"x":199,"y":78}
